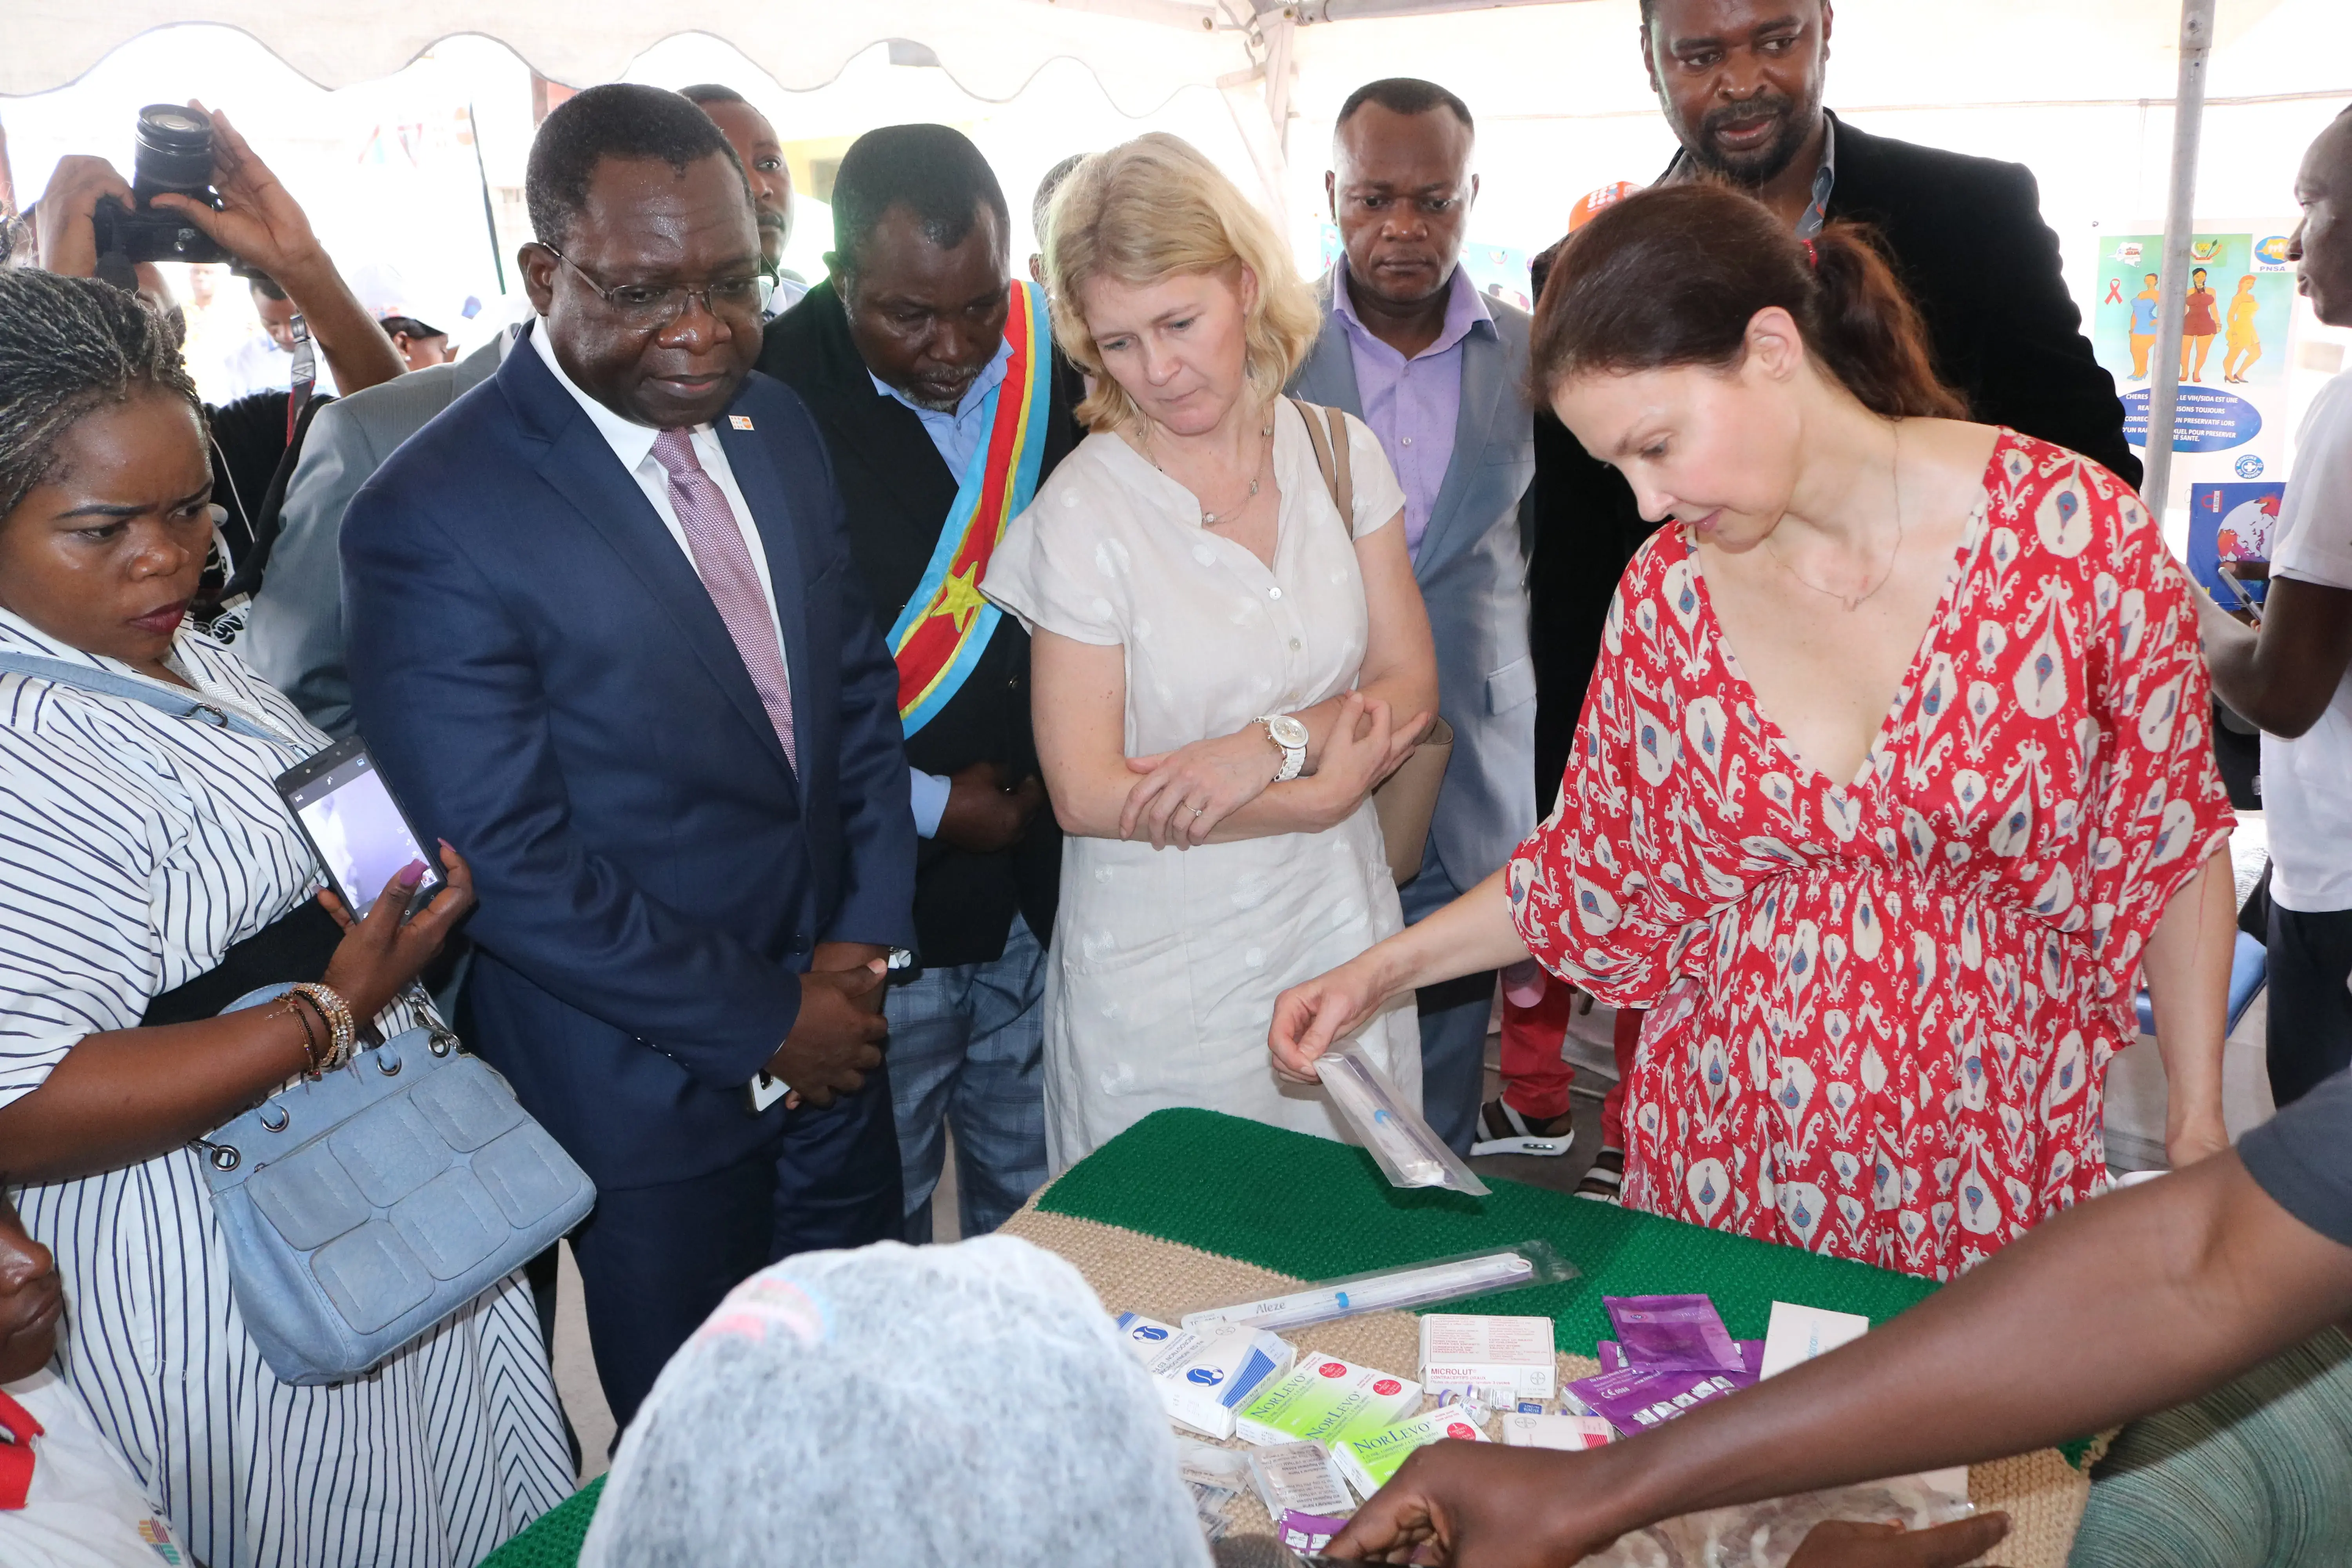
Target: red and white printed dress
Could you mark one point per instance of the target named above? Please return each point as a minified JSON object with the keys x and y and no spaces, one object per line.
{"x":1882,"y":1011}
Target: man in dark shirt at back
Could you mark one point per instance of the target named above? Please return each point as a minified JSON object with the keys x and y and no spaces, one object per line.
{"x":918,"y":356}
{"x":1740,"y":81}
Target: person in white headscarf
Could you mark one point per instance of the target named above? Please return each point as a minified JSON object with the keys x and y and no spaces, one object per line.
{"x":894,"y":1406}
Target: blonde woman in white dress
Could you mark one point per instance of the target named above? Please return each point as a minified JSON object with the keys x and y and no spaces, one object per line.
{"x":1222,"y":667}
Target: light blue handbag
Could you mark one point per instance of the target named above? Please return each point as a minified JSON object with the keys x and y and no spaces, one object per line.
{"x":362,"y":1208}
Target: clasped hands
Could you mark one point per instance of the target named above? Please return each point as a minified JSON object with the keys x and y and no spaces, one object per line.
{"x":1183,"y":794}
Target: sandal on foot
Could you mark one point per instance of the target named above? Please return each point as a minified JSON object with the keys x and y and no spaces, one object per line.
{"x":1503,"y":1131}
{"x":1602,"y":1181}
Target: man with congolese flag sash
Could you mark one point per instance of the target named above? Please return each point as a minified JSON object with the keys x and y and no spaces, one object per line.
{"x":939,"y":634}
{"x":943,"y":404}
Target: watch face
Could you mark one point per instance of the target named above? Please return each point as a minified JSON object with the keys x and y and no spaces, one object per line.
{"x":1287,"y":729}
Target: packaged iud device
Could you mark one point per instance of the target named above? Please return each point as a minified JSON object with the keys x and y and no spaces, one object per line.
{"x":1521,"y":1430}
{"x":1682,"y":1332}
{"x":1324,"y":1397}
{"x":1203,"y":1379}
{"x":1502,"y":1361}
{"x":1299,"y":1478}
{"x":1370,"y":1458}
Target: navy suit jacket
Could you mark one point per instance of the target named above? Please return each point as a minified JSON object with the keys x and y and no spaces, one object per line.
{"x":545,"y":683}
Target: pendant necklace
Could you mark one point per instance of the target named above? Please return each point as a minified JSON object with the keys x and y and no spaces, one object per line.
{"x":1208,"y":519}
{"x":1855,"y":602}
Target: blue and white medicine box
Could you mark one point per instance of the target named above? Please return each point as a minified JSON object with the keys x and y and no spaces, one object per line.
{"x":1203,"y":1379}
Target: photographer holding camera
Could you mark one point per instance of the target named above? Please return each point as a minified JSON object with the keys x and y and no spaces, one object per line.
{"x":92,"y":223}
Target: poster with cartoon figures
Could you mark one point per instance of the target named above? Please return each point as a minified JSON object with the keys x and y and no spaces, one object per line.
{"x":2229,"y":522}
{"x":2231,"y":419}
{"x":1500,"y":271}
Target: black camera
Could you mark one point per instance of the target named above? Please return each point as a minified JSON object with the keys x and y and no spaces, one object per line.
{"x":175,"y":153}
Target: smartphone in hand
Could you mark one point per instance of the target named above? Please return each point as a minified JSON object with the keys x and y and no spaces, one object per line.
{"x":355,"y":828}
{"x":2237,"y":591}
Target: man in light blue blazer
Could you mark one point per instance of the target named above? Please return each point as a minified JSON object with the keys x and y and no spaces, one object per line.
{"x":1411,"y":347}
{"x":294,"y":631}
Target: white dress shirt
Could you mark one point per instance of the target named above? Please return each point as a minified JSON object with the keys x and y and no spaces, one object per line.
{"x":634,"y":445}
{"x":84,"y":1509}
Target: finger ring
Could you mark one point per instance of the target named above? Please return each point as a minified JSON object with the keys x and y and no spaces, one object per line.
{"x":1199,"y":809}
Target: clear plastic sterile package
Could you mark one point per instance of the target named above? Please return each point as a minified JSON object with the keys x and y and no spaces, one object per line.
{"x":1408,"y":1150}
{"x":1464,"y":1274}
{"x":1764,"y":1534}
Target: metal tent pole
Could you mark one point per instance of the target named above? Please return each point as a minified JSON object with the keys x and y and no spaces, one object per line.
{"x":2180,"y":222}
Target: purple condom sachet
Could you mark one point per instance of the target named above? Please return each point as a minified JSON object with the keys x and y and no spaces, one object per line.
{"x":1678,"y":1333}
{"x":1751,"y":1357}
{"x":1632,"y":1399}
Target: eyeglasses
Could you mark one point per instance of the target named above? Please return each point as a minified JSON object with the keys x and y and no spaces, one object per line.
{"x":655,"y":305}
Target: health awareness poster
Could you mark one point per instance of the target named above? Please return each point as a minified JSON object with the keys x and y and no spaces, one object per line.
{"x":2230,"y":424}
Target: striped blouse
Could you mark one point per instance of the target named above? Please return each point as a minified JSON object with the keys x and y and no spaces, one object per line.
{"x":134,"y":848}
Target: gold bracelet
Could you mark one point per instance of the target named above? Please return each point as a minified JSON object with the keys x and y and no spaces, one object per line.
{"x":291,"y":1004}
{"x":337,"y":1014}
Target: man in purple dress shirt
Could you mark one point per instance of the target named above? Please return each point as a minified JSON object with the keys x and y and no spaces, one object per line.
{"x":1411,"y":347}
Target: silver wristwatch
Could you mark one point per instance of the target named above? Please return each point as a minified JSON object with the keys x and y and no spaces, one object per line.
{"x":1288,"y":733}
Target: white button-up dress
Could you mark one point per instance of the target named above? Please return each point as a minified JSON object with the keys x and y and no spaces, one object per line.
{"x":1166,"y":963}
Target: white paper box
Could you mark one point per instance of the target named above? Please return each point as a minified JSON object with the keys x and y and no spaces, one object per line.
{"x":1465,"y":1353}
{"x":1569,"y":1433}
{"x":1797,"y":1334}
{"x":1203,"y":1379}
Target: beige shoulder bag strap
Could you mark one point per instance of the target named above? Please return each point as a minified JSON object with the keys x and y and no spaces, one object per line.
{"x":1329,"y":436}
{"x":1407,"y":798}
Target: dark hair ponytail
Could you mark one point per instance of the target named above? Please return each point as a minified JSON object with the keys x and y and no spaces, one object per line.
{"x":1672,"y":276}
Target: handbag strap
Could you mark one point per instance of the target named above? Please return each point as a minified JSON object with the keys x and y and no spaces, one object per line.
{"x":1329,"y":436}
{"x":177,"y":702}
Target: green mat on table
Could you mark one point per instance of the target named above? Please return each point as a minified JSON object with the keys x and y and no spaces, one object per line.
{"x":1316,"y":1209}
{"x":553,"y":1540}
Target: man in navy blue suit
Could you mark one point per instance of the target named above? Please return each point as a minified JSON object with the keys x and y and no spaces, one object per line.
{"x":606,"y":636}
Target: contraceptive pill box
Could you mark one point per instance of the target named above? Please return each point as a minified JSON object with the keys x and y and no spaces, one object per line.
{"x":1569,"y":1433}
{"x":1464,"y":1353}
{"x":1323,"y":1398}
{"x":1370,"y":1459}
{"x":1203,"y":1379}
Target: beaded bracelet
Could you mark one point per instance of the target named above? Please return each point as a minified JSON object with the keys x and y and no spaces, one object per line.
{"x":337,"y":1014}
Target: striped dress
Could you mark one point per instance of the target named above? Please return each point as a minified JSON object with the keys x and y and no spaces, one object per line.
{"x":134,"y":848}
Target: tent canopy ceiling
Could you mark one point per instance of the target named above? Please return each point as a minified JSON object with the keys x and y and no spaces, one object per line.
{"x":1141,"y":50}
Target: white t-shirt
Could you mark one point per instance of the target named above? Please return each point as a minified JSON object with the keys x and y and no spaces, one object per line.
{"x":84,"y":1509}
{"x":2307,"y":782}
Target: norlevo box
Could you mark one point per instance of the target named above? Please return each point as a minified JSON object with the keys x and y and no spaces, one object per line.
{"x":1370,"y":1458}
{"x":1325,"y":1398}
{"x":1203,"y":1379}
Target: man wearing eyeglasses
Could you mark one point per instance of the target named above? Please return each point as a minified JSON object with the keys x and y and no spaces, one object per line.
{"x":605,"y":633}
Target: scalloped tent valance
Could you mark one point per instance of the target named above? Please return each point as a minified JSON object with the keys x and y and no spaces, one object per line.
{"x":1141,"y":50}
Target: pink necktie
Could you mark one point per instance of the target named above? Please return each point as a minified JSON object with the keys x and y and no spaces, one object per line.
{"x":727,"y":574}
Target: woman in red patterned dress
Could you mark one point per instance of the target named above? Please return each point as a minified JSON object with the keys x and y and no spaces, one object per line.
{"x":1893,"y":777}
